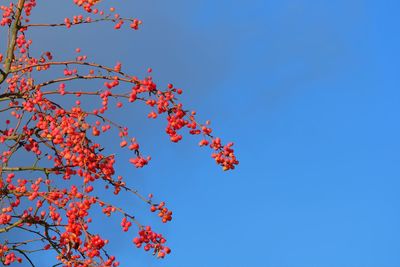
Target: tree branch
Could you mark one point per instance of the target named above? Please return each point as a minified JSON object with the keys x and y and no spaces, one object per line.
{"x":71,"y":62}
{"x":12,"y":41}
{"x":84,"y":77}
{"x":30,"y":168}
{"x":8,"y":228}
{"x":76,"y":23}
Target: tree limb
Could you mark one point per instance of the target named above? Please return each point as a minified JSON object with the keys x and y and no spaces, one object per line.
{"x":8,"y":228}
{"x":12,"y":41}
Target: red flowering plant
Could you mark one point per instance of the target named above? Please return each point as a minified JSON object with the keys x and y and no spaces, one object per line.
{"x":49,"y":199}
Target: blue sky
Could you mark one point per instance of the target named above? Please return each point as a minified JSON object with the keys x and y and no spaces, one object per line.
{"x":307,"y":90}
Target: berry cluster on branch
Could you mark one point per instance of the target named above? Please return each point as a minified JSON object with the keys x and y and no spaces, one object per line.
{"x":63,"y":142}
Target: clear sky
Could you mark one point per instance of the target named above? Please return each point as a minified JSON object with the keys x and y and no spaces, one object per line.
{"x":309,"y":93}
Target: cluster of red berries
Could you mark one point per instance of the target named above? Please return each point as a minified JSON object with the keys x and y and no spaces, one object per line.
{"x":7,"y":14}
{"x":22,"y":43}
{"x":8,"y":257}
{"x":60,"y":137}
{"x":152,"y":241}
{"x":225,"y":155}
{"x":139,"y":161}
{"x":125,"y":224}
{"x":163,"y":212}
{"x":86,"y":4}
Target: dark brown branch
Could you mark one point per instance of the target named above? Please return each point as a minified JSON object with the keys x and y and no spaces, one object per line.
{"x":70,"y":62}
{"x":84,"y":77}
{"x":25,"y":255}
{"x":77,"y":23}
{"x":12,"y":41}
